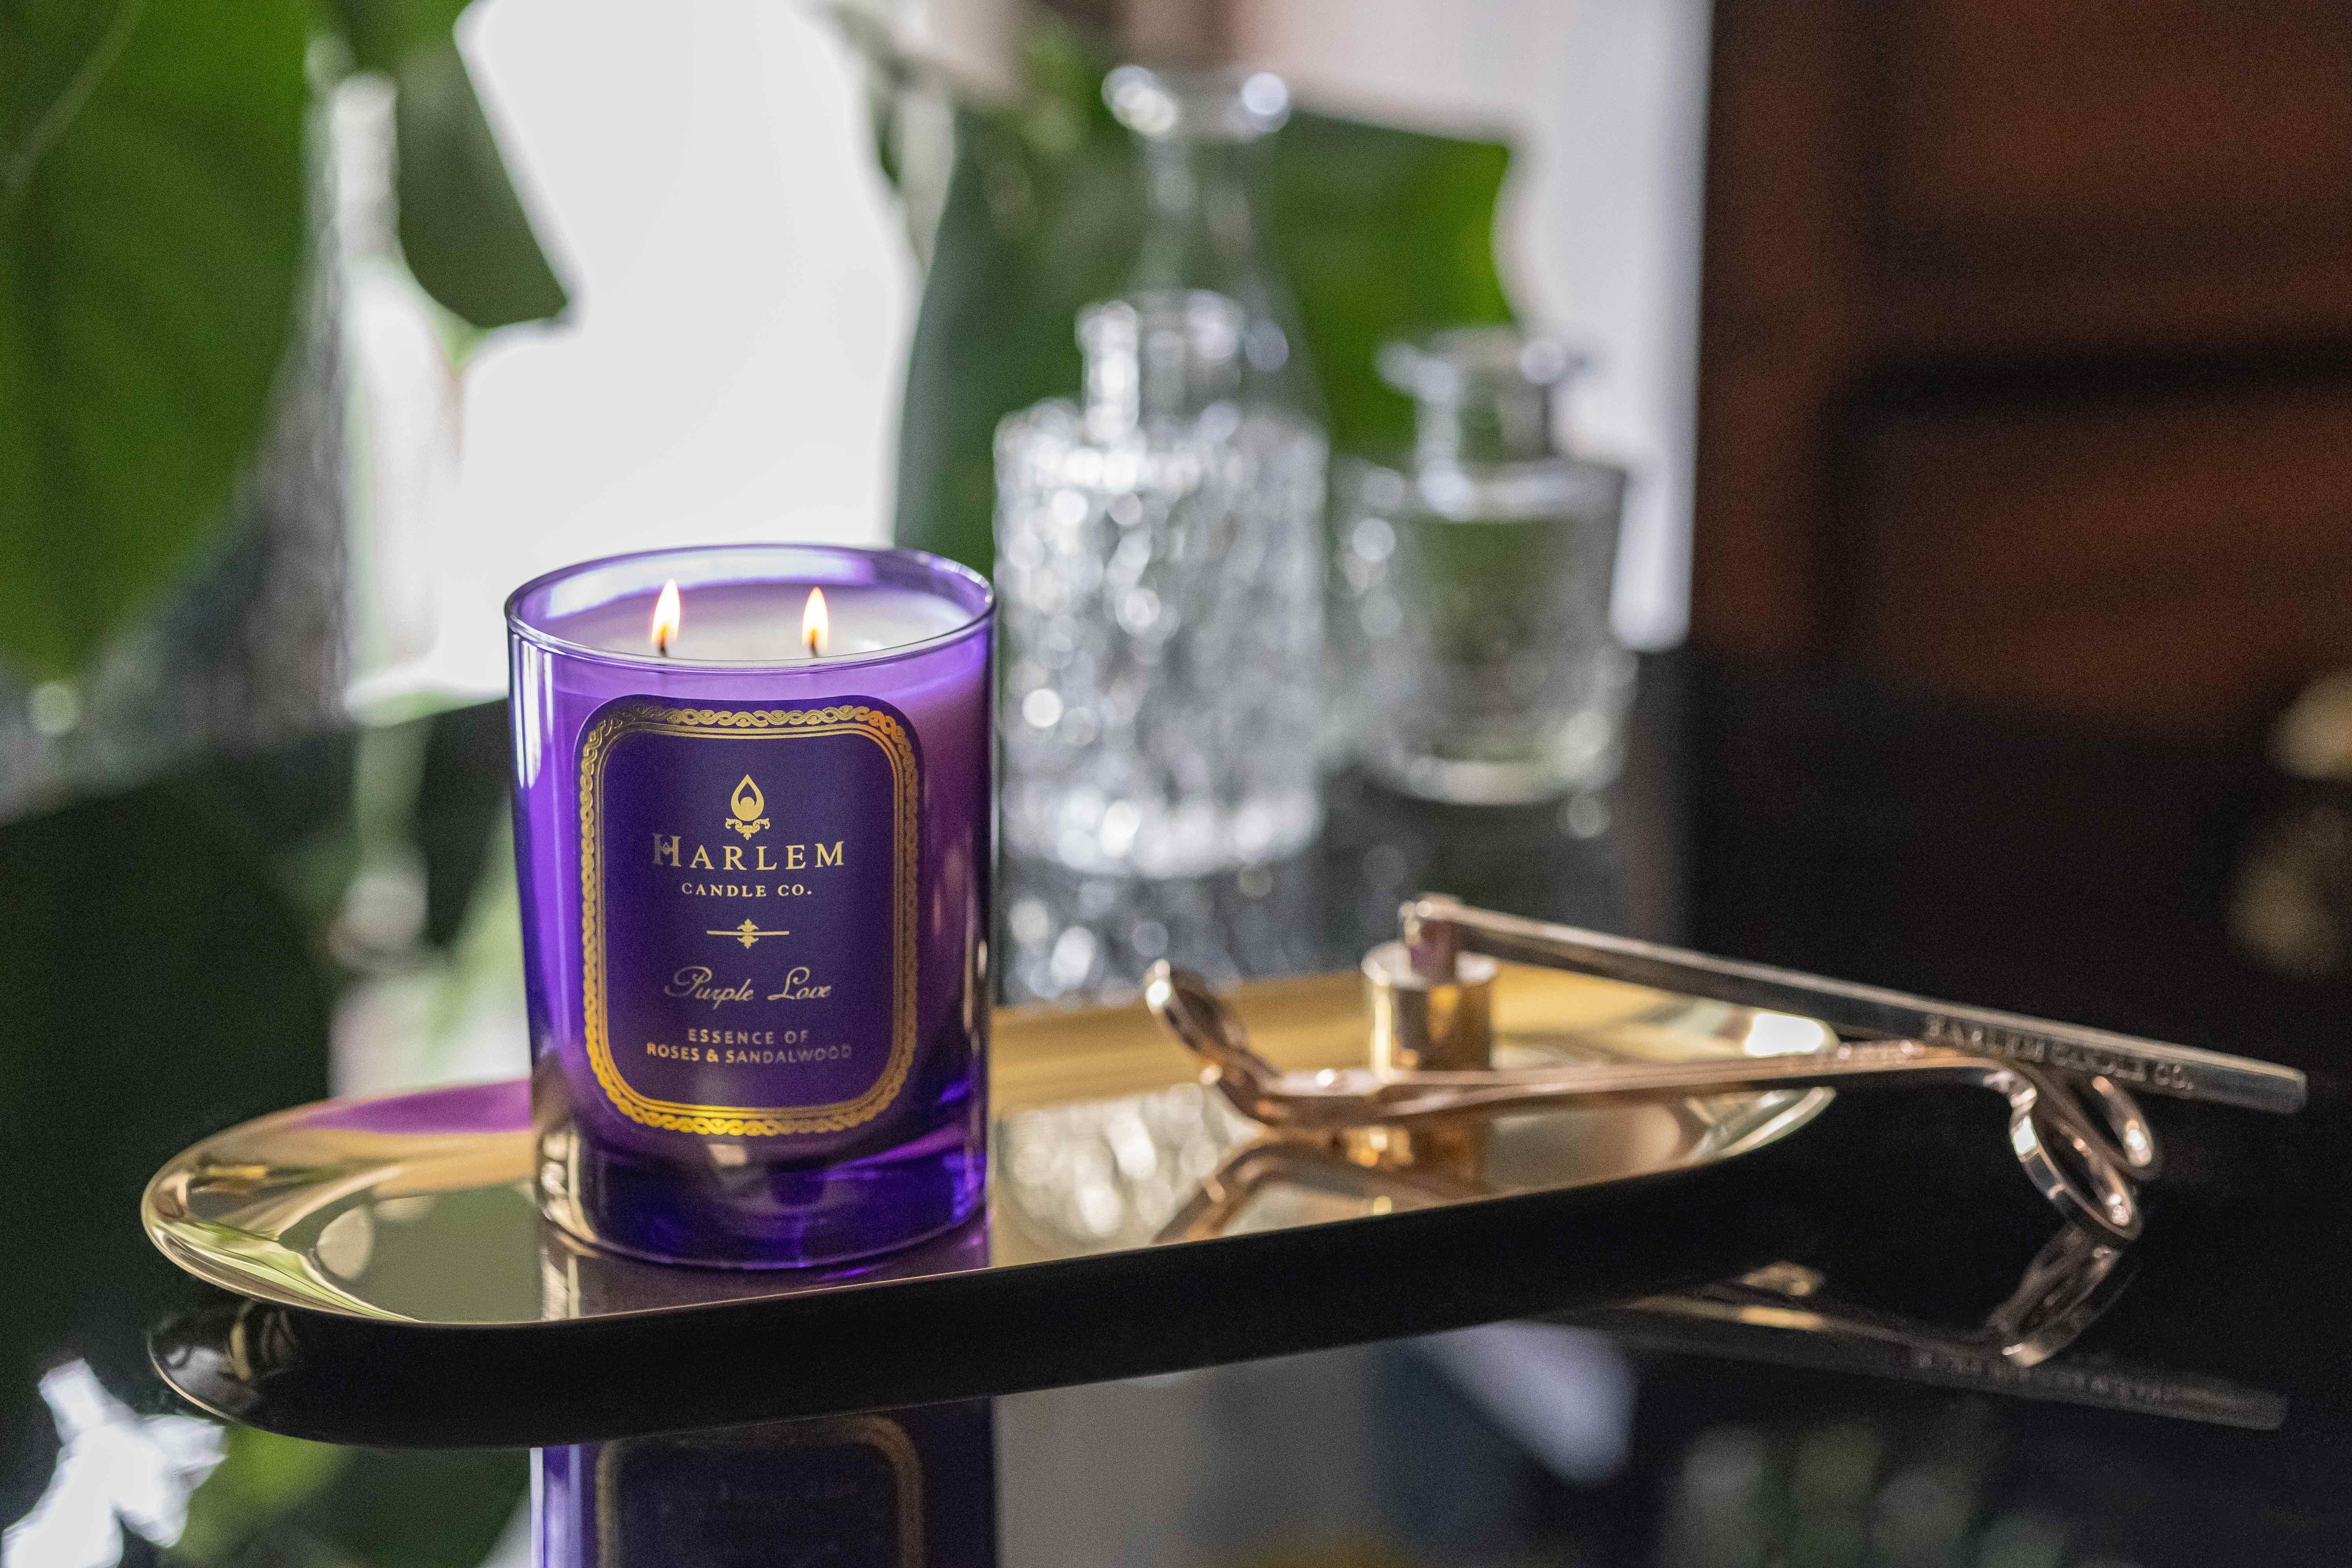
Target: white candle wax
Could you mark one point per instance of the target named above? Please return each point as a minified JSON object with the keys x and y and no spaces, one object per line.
{"x":759,"y":623}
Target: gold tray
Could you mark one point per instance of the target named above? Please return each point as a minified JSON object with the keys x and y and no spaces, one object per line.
{"x":1107,"y":1157}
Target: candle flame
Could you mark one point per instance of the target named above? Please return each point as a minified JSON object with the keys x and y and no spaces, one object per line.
{"x":669,"y":616}
{"x":816,"y":626}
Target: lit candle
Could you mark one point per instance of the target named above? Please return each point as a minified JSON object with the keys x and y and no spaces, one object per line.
{"x":751,"y":819}
{"x":816,"y":625}
{"x":760,"y":623}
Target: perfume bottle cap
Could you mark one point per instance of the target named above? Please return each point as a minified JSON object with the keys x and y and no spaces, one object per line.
{"x":1197,"y":105}
{"x":1482,"y":393}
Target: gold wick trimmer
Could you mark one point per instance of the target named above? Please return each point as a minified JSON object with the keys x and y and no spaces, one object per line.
{"x":2074,"y":1122}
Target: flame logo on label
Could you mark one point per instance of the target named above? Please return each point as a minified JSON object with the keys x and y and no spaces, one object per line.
{"x":743,"y":810}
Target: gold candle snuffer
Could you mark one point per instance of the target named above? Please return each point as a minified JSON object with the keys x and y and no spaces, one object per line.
{"x":2074,"y":1123}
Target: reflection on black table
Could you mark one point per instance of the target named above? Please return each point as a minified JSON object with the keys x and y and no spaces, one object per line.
{"x":891,"y":1488}
{"x":168,"y":972}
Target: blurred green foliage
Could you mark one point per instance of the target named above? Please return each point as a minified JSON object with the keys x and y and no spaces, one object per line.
{"x":280,"y":1502}
{"x":154,"y":231}
{"x":462,"y":227}
{"x":162,"y":984}
{"x":262,"y":1477}
{"x":463,"y":230}
{"x":1381,"y":232}
{"x":1376,"y":230}
{"x":167,"y":957}
{"x":152,"y":238}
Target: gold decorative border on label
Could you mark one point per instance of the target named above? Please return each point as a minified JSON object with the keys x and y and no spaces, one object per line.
{"x":736,"y":1121}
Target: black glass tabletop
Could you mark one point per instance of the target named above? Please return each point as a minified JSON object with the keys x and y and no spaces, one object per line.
{"x":1866,"y":1342}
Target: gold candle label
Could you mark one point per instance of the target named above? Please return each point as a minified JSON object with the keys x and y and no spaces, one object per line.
{"x":747,"y":902}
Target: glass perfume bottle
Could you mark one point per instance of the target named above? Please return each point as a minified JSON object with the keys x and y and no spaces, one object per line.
{"x":1196,"y":132}
{"x":1159,"y":563}
{"x":1471,"y":593}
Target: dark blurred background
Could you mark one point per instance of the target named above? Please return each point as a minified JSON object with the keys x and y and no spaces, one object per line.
{"x":2025,"y":352}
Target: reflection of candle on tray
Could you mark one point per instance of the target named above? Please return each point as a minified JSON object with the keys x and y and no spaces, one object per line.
{"x":751,"y":815}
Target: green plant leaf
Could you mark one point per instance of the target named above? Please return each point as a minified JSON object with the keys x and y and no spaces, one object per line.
{"x":462,"y":227}
{"x":262,"y":1477}
{"x":463,"y":230}
{"x":152,"y":237}
{"x":1382,"y":232}
{"x":1378,"y":231}
{"x":1023,"y":241}
{"x":419,"y":1509}
{"x":381,"y":33}
{"x":225,"y":1017}
{"x":282,"y":1501}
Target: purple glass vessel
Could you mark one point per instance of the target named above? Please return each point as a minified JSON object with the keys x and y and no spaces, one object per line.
{"x":755,"y":884}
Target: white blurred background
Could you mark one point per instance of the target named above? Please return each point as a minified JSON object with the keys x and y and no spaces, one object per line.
{"x":742,"y":292}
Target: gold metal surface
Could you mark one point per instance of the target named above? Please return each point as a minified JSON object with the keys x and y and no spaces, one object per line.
{"x":1104,"y":1141}
{"x":1441,"y":1116}
{"x":1433,"y":1091}
{"x":1439,"y":929}
{"x":1421,"y":1023}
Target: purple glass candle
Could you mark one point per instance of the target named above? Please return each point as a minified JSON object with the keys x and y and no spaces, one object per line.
{"x":754,"y":867}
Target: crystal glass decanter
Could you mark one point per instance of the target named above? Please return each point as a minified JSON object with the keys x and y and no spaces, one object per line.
{"x":1195,"y":133}
{"x":1471,"y":593}
{"x":1160,"y":585}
